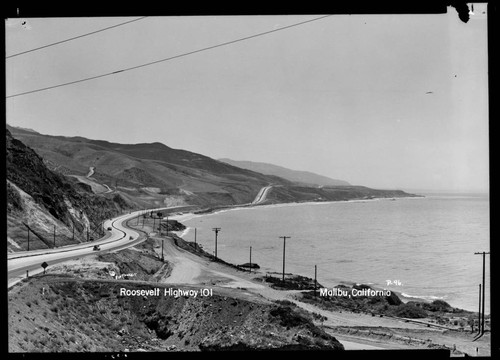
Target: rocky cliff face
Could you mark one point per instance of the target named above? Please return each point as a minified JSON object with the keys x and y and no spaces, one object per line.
{"x":47,"y":202}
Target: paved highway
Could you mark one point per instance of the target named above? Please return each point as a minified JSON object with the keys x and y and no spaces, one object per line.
{"x":120,"y":237}
{"x":261,"y":196}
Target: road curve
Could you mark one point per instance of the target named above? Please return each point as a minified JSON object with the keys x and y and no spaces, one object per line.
{"x":120,"y":237}
{"x":261,"y":196}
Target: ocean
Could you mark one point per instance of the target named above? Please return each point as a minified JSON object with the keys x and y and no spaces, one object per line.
{"x":420,"y":248}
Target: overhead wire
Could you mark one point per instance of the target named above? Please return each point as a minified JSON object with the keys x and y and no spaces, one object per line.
{"x":168,"y":58}
{"x":74,"y":38}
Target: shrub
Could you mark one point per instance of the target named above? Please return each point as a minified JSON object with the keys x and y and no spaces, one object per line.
{"x":439,"y":305}
{"x":410,"y":311}
{"x":288,"y":317}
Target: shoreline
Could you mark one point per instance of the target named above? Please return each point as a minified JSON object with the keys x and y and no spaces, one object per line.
{"x":405,"y":294}
{"x":213,"y":211}
{"x":355,"y":328}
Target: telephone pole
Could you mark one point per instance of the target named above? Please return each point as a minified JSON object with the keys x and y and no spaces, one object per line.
{"x":28,"y":239}
{"x":250,"y":259}
{"x":54,"y":236}
{"x":479,"y":317}
{"x":484,"y":270}
{"x":315,"y":274}
{"x":284,"y":245}
{"x":216,"y":232}
{"x":162,"y":240}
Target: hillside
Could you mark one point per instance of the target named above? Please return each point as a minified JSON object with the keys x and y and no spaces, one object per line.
{"x":48,"y":203}
{"x":55,"y":314}
{"x":329,"y":193}
{"x":153,"y":174}
{"x":303,"y":177}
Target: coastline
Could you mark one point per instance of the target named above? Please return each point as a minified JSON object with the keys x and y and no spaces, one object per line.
{"x":407,"y":294}
{"x":356,"y":328}
{"x":192,"y":215}
{"x":212,"y":211}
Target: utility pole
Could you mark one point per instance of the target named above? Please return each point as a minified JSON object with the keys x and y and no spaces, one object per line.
{"x":73,"y":238}
{"x":88,"y":233}
{"x":484,"y":270}
{"x":315,"y":275}
{"x":195,"y":245}
{"x":479,"y":318}
{"x":159,"y":227}
{"x":167,"y":225}
{"x":216,"y":232}
{"x":28,"y":239}
{"x":250,"y":259}
{"x":162,"y":240}
{"x":284,"y":245}
{"x":54,"y":236}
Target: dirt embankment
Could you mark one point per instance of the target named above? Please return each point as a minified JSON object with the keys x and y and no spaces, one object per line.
{"x":53,"y":313}
{"x":78,"y":306}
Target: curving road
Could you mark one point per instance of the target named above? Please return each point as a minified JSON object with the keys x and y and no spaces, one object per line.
{"x":91,"y":171}
{"x":120,"y":237}
{"x":261,"y":196}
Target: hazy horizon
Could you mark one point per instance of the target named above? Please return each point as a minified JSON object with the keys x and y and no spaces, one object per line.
{"x":384,"y":101}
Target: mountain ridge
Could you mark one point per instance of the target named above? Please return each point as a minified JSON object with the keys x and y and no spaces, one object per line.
{"x":174,"y":172}
{"x":154,"y":175}
{"x":299,"y":176}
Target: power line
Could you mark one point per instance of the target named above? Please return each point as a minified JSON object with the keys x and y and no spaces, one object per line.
{"x":74,"y":38}
{"x":169,"y":58}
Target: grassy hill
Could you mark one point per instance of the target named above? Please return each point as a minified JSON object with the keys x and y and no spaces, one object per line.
{"x":136,"y":168}
{"x":153,"y":175}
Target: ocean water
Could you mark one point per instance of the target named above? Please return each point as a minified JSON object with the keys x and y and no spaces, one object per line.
{"x":417,"y":247}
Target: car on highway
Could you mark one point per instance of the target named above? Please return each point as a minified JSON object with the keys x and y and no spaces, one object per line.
{"x":96,"y":248}
{"x":109,"y":228}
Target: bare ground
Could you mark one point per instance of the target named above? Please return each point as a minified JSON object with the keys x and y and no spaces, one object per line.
{"x":184,"y":266}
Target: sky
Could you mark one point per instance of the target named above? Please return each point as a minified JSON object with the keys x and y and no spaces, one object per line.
{"x":385,"y":101}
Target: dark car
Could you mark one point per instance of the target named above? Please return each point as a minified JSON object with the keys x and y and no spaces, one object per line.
{"x":109,"y":228}
{"x":96,"y":248}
